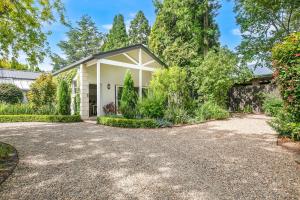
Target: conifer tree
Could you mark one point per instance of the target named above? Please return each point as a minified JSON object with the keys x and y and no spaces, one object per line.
{"x":184,"y":30}
{"x":139,"y":30}
{"x":83,"y":40}
{"x":129,"y":97}
{"x":117,"y":36}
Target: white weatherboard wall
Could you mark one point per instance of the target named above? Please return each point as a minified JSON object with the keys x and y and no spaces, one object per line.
{"x":84,"y":92}
{"x":114,"y":76}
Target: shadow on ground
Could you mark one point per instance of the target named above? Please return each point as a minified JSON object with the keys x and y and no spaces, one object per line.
{"x":233,"y":159}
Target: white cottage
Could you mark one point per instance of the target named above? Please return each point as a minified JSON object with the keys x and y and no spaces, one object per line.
{"x":101,"y":76}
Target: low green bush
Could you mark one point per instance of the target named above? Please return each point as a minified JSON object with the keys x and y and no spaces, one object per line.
{"x":9,"y":93}
{"x":210,"y":110}
{"x":127,"y":123}
{"x":5,"y":150}
{"x":176,"y":115}
{"x":272,"y":105}
{"x":25,"y":109}
{"x":40,"y":118}
{"x":285,"y":125}
{"x":152,"y":106}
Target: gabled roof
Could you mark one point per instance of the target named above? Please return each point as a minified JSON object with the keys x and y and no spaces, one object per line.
{"x":16,"y":74}
{"x":110,"y":53}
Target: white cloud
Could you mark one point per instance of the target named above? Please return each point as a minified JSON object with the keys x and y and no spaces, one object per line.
{"x":236,"y":32}
{"x":132,"y":14}
{"x":107,"y":26}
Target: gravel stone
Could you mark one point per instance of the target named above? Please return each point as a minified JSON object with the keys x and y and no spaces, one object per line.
{"x":231,"y":159}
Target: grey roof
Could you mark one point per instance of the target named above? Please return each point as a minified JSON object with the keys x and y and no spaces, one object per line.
{"x":110,"y":53}
{"x":15,"y":74}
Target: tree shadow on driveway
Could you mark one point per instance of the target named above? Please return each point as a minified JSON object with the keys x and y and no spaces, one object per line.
{"x":207,"y":161}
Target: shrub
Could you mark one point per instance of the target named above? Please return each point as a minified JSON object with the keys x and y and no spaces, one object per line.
{"x":213,"y":76}
{"x":129,"y":97}
{"x":285,"y":125}
{"x":127,"y":123}
{"x":286,"y":62}
{"x":176,"y":115}
{"x":63,"y":98}
{"x":272,"y":105}
{"x":40,"y":118}
{"x":152,"y":107}
{"x":109,"y":109}
{"x":19,"y":109}
{"x":9,"y":93}
{"x":210,"y":110}
{"x":5,"y":150}
{"x":42,"y":91}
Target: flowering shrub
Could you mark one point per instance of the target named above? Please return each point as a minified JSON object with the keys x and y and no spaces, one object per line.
{"x":286,"y":62}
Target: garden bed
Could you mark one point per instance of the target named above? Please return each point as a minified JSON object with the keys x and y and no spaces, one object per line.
{"x":8,"y":160}
{"x":127,"y":123}
{"x":40,"y":118}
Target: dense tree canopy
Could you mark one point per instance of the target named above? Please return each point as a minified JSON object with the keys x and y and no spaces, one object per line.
{"x":216,"y":74}
{"x":117,"y":36}
{"x":14,"y":65}
{"x":82,"y":41}
{"x":21,"y":24}
{"x":263,"y":23}
{"x":184,"y":30}
{"x":139,"y":29}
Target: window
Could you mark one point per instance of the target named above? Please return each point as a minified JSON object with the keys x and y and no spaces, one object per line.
{"x":119,"y":90}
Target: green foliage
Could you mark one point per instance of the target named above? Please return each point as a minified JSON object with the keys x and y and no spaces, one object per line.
{"x":263,"y":23}
{"x":42,"y":91}
{"x":247,"y":109}
{"x":40,"y":118}
{"x":184,"y":30}
{"x":63,"y":98}
{"x":272,"y":105}
{"x":216,"y":74}
{"x":168,"y":90}
{"x":210,"y":110}
{"x":127,"y":123}
{"x":139,"y":29}
{"x":14,"y":65}
{"x":117,"y":36}
{"x":286,"y":62}
{"x":9,"y":93}
{"x":82,"y":41}
{"x":5,"y":150}
{"x":21,"y":25}
{"x":285,"y":125}
{"x":68,"y":76}
{"x":27,"y":109}
{"x":129,"y":98}
{"x":152,"y":106}
{"x":176,"y":114}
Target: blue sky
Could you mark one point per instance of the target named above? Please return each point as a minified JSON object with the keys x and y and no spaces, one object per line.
{"x":103,"y":12}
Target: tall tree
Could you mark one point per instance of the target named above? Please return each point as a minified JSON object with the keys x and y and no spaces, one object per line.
{"x":184,"y":30}
{"x":139,"y":29}
{"x":83,"y":40}
{"x":117,"y":36}
{"x":264,"y":23}
{"x":21,"y":24}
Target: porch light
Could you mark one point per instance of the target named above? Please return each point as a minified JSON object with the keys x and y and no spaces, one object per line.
{"x":108,"y":86}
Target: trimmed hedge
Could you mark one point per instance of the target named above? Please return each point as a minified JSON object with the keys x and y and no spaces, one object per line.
{"x":127,"y":123}
{"x":40,"y":118}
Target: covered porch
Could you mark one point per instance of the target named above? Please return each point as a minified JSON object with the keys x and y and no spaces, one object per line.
{"x":100,"y":79}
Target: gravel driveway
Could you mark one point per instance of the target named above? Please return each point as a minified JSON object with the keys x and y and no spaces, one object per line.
{"x":232,"y":159}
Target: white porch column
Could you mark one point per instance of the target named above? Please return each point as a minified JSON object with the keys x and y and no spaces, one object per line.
{"x":98,"y":88}
{"x":84,"y":92}
{"x":140,"y":74}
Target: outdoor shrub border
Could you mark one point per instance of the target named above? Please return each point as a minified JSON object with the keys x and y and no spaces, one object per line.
{"x":40,"y":118}
{"x":127,"y":123}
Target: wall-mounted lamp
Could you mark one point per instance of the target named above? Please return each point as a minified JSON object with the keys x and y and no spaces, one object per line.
{"x":108,"y":86}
